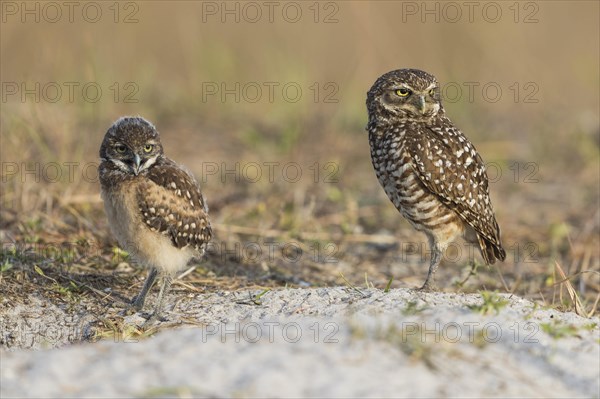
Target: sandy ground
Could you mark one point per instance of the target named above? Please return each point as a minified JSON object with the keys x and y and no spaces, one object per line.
{"x":324,"y":342}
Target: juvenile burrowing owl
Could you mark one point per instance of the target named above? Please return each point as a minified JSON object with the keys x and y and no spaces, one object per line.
{"x":428,"y":168}
{"x":155,"y":208}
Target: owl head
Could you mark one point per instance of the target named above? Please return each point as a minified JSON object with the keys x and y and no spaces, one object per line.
{"x":132,"y":144}
{"x":406,"y":94}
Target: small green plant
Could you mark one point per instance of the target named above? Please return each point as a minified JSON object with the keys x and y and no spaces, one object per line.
{"x":368,"y":283}
{"x":389,"y":284}
{"x":534,"y":308}
{"x":413,"y":308}
{"x":121,"y":332}
{"x":119,"y":255}
{"x":352,"y":286}
{"x":334,"y":194}
{"x":479,"y":339}
{"x":69,"y":291}
{"x":410,"y":340}
{"x":6,"y":266}
{"x":558,"y":330}
{"x":491,"y":303}
{"x":39,"y":271}
{"x":254,"y":299}
{"x":472,"y":272}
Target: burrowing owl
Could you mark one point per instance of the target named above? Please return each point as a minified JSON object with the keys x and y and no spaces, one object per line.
{"x":428,"y":168}
{"x":155,"y":208}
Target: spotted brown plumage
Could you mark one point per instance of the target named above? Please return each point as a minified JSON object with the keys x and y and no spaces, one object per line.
{"x":428,"y":168}
{"x":171,"y":203}
{"x":155,"y":207}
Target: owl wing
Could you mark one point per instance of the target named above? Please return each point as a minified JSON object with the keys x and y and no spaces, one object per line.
{"x":450,"y":167}
{"x":170,"y":202}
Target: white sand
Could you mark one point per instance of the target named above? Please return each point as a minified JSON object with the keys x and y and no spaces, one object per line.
{"x":327,"y":342}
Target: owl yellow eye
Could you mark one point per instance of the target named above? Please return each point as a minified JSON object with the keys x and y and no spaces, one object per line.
{"x":148,"y":147}
{"x":403,"y":92}
{"x":120,"y":148}
{"x":432,"y":92}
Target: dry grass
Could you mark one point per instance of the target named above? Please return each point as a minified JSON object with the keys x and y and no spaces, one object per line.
{"x":55,"y":240}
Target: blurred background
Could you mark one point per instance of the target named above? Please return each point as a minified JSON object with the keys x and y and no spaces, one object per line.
{"x":265,"y":104}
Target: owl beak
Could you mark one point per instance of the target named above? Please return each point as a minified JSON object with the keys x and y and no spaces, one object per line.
{"x":421,"y":105}
{"x":136,"y":164}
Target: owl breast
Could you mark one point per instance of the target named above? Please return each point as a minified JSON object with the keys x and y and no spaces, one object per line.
{"x":146,"y":246}
{"x":117,"y":204}
{"x":395,"y":172}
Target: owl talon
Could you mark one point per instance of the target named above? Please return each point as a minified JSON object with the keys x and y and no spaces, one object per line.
{"x":428,"y":287}
{"x":128,"y":310}
{"x":154,"y":318}
{"x":137,"y":303}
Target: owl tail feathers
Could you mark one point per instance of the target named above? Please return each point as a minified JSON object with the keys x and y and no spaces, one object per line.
{"x":490,"y":251}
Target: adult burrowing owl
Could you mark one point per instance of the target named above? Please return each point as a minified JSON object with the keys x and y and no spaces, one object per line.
{"x":154,"y":206}
{"x":428,"y":168}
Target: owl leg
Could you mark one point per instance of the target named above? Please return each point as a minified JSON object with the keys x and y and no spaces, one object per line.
{"x":138,"y":301}
{"x":436,"y":257}
{"x":167,"y":280}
